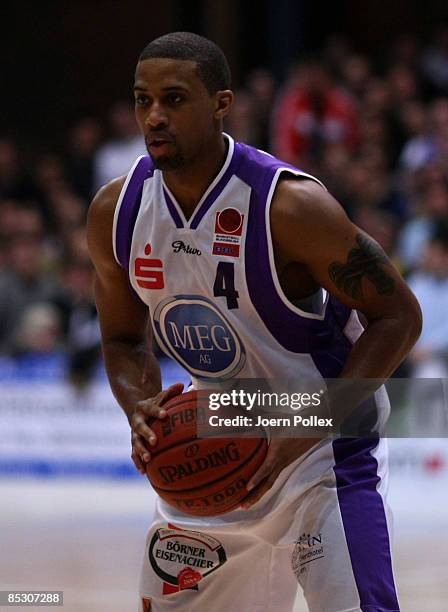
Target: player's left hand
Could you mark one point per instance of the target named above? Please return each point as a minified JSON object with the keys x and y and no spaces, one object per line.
{"x":281,"y":453}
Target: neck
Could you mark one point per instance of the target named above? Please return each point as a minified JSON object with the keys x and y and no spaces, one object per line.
{"x":189,"y":184}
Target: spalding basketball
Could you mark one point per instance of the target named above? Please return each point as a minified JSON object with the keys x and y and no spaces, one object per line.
{"x":200,"y":476}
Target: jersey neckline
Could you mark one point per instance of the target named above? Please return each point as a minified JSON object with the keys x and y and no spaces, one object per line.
{"x":210,"y":195}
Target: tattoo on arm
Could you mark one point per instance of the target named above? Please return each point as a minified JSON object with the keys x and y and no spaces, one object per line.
{"x":362,"y":261}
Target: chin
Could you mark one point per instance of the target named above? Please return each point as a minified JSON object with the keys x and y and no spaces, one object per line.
{"x":168,"y":163}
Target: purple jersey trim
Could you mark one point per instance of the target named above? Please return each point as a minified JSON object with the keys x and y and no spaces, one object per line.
{"x":217,"y":189}
{"x":322,"y":338}
{"x":130,"y":205}
{"x":364,"y":521}
{"x":172,"y":209}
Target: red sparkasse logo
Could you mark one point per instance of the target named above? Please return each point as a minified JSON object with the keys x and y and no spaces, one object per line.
{"x":147,"y":271}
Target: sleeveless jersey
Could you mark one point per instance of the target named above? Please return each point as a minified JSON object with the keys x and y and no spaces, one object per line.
{"x":210,"y":283}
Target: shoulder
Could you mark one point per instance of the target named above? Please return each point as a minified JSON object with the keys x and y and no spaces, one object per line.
{"x":304,"y":200}
{"x":100,"y":218}
{"x":306,"y":219}
{"x":104,"y":203}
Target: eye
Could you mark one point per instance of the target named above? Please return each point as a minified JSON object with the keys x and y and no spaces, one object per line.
{"x":175,"y":98}
{"x":141,"y":100}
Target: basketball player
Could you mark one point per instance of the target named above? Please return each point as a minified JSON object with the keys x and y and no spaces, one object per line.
{"x":243,"y":266}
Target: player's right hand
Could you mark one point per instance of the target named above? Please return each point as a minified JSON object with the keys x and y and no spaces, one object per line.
{"x":142,"y":436}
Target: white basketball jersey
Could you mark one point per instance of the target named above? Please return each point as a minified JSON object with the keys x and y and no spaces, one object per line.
{"x":210,"y":283}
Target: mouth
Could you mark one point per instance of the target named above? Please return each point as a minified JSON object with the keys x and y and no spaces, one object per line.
{"x":158,"y":143}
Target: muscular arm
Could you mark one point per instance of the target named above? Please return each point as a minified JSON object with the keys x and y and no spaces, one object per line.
{"x":310,"y":227}
{"x":132,"y":369}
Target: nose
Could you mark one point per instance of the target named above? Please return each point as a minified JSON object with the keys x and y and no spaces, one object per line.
{"x":156,"y":117}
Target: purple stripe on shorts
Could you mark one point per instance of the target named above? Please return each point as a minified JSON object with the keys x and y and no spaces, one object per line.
{"x":217,"y":189}
{"x":364,"y":521}
{"x":129,"y":209}
{"x":172,"y":209}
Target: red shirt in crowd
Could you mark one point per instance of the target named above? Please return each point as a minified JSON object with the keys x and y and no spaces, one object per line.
{"x":304,"y":123}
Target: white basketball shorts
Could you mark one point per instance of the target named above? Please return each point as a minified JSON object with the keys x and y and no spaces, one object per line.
{"x":325,"y":527}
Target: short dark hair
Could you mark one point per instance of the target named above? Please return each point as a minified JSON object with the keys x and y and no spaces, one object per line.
{"x":212,"y":66}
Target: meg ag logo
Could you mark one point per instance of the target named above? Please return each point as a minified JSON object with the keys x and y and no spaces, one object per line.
{"x":192,"y":330}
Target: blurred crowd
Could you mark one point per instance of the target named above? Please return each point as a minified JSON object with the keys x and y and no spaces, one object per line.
{"x":375,"y":132}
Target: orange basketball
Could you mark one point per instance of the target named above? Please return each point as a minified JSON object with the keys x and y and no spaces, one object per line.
{"x":201,"y":476}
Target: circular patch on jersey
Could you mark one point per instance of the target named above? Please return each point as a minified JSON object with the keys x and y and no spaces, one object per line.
{"x":229,"y":220}
{"x":197,"y":335}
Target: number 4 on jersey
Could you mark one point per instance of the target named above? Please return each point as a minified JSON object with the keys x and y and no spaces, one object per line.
{"x":225,"y":284}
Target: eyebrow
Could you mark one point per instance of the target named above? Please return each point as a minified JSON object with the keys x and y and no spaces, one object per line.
{"x":168,"y":88}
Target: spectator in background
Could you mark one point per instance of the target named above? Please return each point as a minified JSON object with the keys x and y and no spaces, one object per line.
{"x":355,"y":75}
{"x":414,"y":122}
{"x":116,"y":156}
{"x":17,"y":219}
{"x":402,"y":85}
{"x":430,"y":145}
{"x":374,"y":134}
{"x":38,"y":332}
{"x":262,"y":86}
{"x":23,"y":282}
{"x":83,"y":142}
{"x":241,"y":123}
{"x":376,"y":98}
{"x":310,"y":113}
{"x":38,"y":349}
{"x":80,"y":322}
{"x":418,"y":230}
{"x":69,"y":213}
{"x":49,"y":176}
{"x":370,"y":185}
{"x":429,"y":357}
{"x":403,"y":89}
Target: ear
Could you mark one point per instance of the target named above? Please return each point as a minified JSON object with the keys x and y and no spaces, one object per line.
{"x":223,"y":102}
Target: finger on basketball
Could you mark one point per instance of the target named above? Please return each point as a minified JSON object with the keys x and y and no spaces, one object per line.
{"x":140,"y":448}
{"x":151,"y":407}
{"x":140,"y":427}
{"x":138,"y":462}
{"x":169,"y":393}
